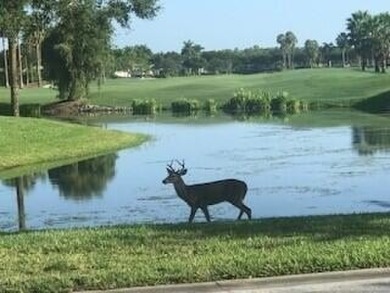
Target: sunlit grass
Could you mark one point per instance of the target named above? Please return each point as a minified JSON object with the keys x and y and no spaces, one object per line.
{"x":115,"y":257}
{"x":26,"y":141}
{"x":341,"y":87}
{"x":333,"y":86}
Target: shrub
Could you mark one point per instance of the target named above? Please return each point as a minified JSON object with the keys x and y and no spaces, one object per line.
{"x":279,"y":103}
{"x":185,"y":106}
{"x":211,"y":105}
{"x":144,"y":107}
{"x":293,"y":106}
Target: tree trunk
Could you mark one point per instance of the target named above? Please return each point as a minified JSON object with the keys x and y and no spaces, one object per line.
{"x":27,"y":66}
{"x":12,"y":45}
{"x":20,"y":202}
{"x":288,"y":60}
{"x":20,"y":65}
{"x":376,"y":64}
{"x":343,"y":56}
{"x":77,"y":89}
{"x":39,"y":62}
{"x":5,"y":51}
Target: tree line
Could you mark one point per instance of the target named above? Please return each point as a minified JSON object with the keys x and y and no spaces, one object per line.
{"x":68,"y":43}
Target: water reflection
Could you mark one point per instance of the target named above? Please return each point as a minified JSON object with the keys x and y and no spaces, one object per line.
{"x":78,"y":181}
{"x":368,"y":140}
{"x":84,"y":180}
{"x":23,"y":185}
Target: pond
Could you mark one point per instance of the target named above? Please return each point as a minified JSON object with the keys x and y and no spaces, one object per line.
{"x":309,"y":164}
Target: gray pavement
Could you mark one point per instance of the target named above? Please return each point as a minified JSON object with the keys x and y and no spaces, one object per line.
{"x":367,"y":281}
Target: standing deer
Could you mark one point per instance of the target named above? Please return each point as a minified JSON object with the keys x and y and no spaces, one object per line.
{"x":205,"y":194}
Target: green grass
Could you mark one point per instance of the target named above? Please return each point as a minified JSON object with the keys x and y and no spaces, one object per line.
{"x":340,"y":87}
{"x":115,"y":257}
{"x":27,"y":141}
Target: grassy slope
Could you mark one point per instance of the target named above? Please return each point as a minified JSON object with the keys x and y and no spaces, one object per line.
{"x":338,"y":86}
{"x":61,"y":261}
{"x":26,"y":141}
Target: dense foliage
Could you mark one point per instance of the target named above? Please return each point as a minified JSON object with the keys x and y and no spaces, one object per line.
{"x":260,"y":102}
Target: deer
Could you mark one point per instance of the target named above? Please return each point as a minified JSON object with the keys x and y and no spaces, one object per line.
{"x":200,"y":196}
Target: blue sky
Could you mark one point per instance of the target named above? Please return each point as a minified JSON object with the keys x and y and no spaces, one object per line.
{"x":229,"y":24}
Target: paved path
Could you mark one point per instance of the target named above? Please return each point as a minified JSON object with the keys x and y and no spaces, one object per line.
{"x":361,"y":281}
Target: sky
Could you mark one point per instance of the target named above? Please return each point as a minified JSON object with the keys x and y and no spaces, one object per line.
{"x":229,"y":24}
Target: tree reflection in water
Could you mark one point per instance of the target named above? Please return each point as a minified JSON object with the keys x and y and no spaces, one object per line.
{"x":78,"y":181}
{"x":22,"y":185}
{"x":85,"y":179}
{"x":368,"y":140}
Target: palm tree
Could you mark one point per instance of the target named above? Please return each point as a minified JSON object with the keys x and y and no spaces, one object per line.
{"x":291,"y":41}
{"x":343,"y":43}
{"x":192,"y":59}
{"x":311,"y":50}
{"x":281,"y":40}
{"x":359,"y":35}
{"x":381,"y":40}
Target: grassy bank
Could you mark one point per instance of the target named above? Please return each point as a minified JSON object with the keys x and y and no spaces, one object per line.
{"x":339,"y":87}
{"x":27,"y":141}
{"x":114,"y":257}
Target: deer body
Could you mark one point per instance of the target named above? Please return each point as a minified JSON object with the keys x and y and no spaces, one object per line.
{"x":204,"y":194}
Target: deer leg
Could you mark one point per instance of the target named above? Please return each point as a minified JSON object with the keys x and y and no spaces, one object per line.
{"x":243,"y":209}
{"x":206,"y":213}
{"x":192,"y":215}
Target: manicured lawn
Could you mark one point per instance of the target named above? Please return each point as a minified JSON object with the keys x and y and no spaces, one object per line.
{"x":27,"y":141}
{"x":330,"y":86}
{"x":115,"y":257}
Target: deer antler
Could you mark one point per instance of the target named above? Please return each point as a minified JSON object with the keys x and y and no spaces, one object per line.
{"x":182,"y":164}
{"x":170,"y":167}
{"x":182,"y":170}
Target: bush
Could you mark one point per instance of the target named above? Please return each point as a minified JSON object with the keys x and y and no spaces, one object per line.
{"x":211,"y":106}
{"x":279,"y":103}
{"x":144,"y":107}
{"x":185,"y":106}
{"x":293,"y":106}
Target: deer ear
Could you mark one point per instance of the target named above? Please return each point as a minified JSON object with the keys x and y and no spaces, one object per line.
{"x":184,"y":172}
{"x":169,"y":171}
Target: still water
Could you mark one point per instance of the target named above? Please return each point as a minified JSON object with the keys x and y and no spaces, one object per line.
{"x":322,"y":163}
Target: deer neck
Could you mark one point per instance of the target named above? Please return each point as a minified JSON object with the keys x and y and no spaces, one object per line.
{"x":182,"y":192}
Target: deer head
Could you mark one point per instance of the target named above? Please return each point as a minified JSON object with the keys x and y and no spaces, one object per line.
{"x":175,"y":175}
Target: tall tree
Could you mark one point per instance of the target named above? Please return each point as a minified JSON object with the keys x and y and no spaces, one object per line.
{"x":12,"y":16}
{"x":281,"y":40}
{"x":359,"y":29}
{"x":39,"y":20}
{"x":311,"y":50}
{"x":192,"y":57}
{"x":291,"y":41}
{"x":78,"y":44}
{"x":326,"y":53}
{"x":381,"y":40}
{"x":287,"y":44}
{"x":343,"y":43}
